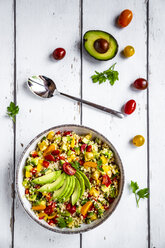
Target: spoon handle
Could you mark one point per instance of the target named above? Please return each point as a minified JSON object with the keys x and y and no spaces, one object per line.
{"x":94,"y":105}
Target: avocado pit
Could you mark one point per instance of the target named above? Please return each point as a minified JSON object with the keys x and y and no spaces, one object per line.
{"x":101,"y":45}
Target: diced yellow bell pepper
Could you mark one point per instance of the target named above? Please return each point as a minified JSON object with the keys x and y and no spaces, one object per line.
{"x":89,"y":156}
{"x":49,"y":149}
{"x":94,"y":192}
{"x":39,"y":165}
{"x":39,"y":207}
{"x":51,"y":216}
{"x":88,"y":136}
{"x":104,"y":159}
{"x":72,"y":143}
{"x":41,"y":215}
{"x":71,"y":158}
{"x":93,"y":217}
{"x":95,"y":175}
{"x":27,"y":174}
{"x":100,"y":205}
{"x":85,"y":208}
{"x":90,"y":164}
{"x":106,"y":168}
{"x":50,"y":135}
{"x":42,"y":145}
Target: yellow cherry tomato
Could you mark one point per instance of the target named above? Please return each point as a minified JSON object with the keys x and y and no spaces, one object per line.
{"x":129,"y":51}
{"x":138,"y":140}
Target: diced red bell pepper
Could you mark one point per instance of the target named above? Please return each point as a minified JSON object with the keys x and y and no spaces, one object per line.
{"x":83,"y":146}
{"x":34,"y":171}
{"x":106,"y":180}
{"x":50,"y":157}
{"x":71,"y":209}
{"x":34,"y":154}
{"x":81,"y":162}
{"x":55,"y":152}
{"x":58,"y":132}
{"x":66,"y":133}
{"x":50,"y":222}
{"x":45,"y":164}
{"x":89,"y":148}
{"x":26,"y":191}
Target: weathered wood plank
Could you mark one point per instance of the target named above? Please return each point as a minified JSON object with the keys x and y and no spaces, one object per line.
{"x":6,"y":131}
{"x":43,"y":26}
{"x":156,"y":118}
{"x":127,"y":227}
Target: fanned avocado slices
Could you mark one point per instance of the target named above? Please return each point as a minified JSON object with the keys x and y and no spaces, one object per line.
{"x":55,"y":185}
{"x":71,"y":190}
{"x":86,"y":180}
{"x":68,"y":187}
{"x":76,"y":194}
{"x":60,"y":192}
{"x":49,"y":178}
{"x":81,"y":181}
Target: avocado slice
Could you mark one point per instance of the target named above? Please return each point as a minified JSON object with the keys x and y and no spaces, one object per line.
{"x":47,"y":178}
{"x":61,"y":198}
{"x":81,"y":181}
{"x":76,"y":194}
{"x":53,"y":186}
{"x":86,"y":180}
{"x":109,"y":43}
{"x":60,"y":192}
{"x":71,"y":190}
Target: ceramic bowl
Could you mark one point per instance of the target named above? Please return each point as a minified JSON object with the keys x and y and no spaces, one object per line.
{"x":21,"y":190}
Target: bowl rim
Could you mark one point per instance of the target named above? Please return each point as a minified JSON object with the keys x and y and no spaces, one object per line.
{"x":88,"y":227}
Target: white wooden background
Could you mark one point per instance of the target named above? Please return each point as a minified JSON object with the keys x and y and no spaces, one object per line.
{"x":29,"y":31}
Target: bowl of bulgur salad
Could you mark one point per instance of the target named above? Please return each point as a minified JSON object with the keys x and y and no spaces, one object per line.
{"x":70,"y":179}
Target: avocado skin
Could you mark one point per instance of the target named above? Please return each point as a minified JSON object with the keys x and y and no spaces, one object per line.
{"x":111,"y":36}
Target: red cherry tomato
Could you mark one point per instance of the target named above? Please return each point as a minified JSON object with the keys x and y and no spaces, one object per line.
{"x":140,"y":84}
{"x":45,"y":164}
{"x":33,"y":171}
{"x":130,"y":107}
{"x":125,"y":18}
{"x":50,"y":157}
{"x":55,"y":152}
{"x":34,"y":154}
{"x":106,"y":180}
{"x":68,"y":169}
{"x":83,"y":146}
{"x":89,"y":148}
{"x":26,"y":191}
{"x":59,"y":53}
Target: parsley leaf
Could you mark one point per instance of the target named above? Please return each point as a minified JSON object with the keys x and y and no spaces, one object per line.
{"x":61,"y":222}
{"x":99,"y":165}
{"x":12,"y":110}
{"x":139,"y":193}
{"x":76,"y":165}
{"x":111,"y":75}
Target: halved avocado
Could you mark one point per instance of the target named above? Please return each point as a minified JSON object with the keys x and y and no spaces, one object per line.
{"x":100,"y":45}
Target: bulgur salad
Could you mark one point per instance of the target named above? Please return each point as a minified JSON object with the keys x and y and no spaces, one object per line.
{"x":70,"y":179}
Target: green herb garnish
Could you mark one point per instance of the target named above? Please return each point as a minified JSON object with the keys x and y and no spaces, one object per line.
{"x":139,"y":193}
{"x":61,"y":222}
{"x":12,"y":110}
{"x":99,"y":165}
{"x":109,"y":74}
{"x":76,"y":165}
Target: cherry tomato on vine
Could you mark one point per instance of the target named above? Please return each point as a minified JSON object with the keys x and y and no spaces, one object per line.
{"x":59,"y":53}
{"x":125,"y":18}
{"x":130,"y":107}
{"x":129,"y":51}
{"x":140,"y":84}
{"x":138,"y":140}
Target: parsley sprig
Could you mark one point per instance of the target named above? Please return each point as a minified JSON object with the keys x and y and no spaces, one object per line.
{"x":76,"y":165}
{"x":99,"y":165}
{"x":109,"y":74}
{"x":12,"y":110}
{"x":139,"y":193}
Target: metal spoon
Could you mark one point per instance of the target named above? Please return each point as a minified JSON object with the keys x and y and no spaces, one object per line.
{"x":44,"y":87}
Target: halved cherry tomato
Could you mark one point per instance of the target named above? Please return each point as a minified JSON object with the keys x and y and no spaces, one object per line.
{"x":83,"y":146}
{"x":130,"y":107}
{"x":45,"y":164}
{"x":89,"y":148}
{"x":34,"y":171}
{"x":106,"y":180}
{"x":68,"y":169}
{"x":34,"y":154}
{"x":55,"y":152}
{"x":50,"y":157}
{"x":26,"y":191}
{"x":125,"y":18}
